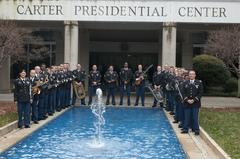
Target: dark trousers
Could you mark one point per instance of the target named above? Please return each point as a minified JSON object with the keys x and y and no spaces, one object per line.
{"x":46,"y":103}
{"x":58,"y":98}
{"x":23,"y":109}
{"x":140,"y":92}
{"x":111,"y":93}
{"x":35,"y":108}
{"x":92,"y":92}
{"x":68,"y":94}
{"x":123,"y":92}
{"x":53,"y":100}
{"x":62,"y":97}
{"x":179,"y":116}
{"x":41,"y":105}
{"x":170,"y":101}
{"x":50,"y":103}
{"x":191,"y":118}
{"x":74,"y":99}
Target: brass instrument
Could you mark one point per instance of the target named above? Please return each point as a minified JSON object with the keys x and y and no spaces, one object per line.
{"x":157,"y":93}
{"x":139,"y":80}
{"x":79,"y":90}
{"x":36,"y":89}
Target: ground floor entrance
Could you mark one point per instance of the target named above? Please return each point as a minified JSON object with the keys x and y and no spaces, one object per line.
{"x":109,"y":43}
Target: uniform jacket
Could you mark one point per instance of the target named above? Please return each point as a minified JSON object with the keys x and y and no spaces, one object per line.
{"x":22,"y":90}
{"x":193,"y":91}
{"x":158,"y":79}
{"x":113,"y":77}
{"x":79,"y":76}
{"x":138,"y":74}
{"x":95,"y":77}
{"x":126,"y":75}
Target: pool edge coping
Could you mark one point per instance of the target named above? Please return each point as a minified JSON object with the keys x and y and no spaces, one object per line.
{"x":216,"y":149}
{"x":12,"y":128}
{"x":21,"y":134}
{"x":213,"y":144}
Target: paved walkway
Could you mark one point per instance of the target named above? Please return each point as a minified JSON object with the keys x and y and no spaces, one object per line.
{"x":208,"y":102}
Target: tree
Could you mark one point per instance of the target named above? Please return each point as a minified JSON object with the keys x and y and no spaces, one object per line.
{"x":225,"y":44}
{"x":13,"y":40}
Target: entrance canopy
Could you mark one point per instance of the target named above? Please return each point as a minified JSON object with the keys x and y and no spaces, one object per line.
{"x":121,"y":11}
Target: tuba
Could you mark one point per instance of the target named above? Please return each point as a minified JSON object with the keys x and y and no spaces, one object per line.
{"x":157,"y":93}
{"x":79,"y":90}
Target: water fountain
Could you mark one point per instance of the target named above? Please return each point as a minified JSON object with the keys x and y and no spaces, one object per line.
{"x":98,"y":108}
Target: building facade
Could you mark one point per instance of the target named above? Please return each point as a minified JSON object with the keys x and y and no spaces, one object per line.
{"x":107,"y":32}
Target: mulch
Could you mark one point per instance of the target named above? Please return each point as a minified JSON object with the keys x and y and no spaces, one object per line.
{"x":6,"y":107}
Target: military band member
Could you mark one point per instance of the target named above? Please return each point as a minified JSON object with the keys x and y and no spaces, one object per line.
{"x":34,"y":95}
{"x":41,"y":104}
{"x":125,"y":77}
{"x":79,"y":79}
{"x":157,"y":82}
{"x":94,"y":82}
{"x":111,"y":79}
{"x":179,"y":98}
{"x":45,"y":78}
{"x":51,"y":88}
{"x":62,"y":91}
{"x":140,"y":88}
{"x":170,"y":91}
{"x":192,"y":93}
{"x":22,"y":95}
{"x":69,"y":79}
{"x":58,"y":89}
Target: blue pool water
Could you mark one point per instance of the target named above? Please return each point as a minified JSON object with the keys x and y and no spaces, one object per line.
{"x":128,"y":133}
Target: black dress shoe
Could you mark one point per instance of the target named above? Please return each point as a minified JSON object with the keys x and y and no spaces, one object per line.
{"x":154,"y":106}
{"x":197,"y":133}
{"x":35,"y":122}
{"x":175,"y":121}
{"x":27,"y":126}
{"x":171,"y":113}
{"x":20,"y":127}
{"x":180,"y":126}
{"x":184,"y":132}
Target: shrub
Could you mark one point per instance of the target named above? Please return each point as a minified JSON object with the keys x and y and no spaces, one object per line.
{"x":231,"y":85}
{"x":211,"y":70}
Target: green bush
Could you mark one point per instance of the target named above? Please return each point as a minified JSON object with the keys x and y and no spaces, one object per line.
{"x":231,"y":85}
{"x":211,"y":70}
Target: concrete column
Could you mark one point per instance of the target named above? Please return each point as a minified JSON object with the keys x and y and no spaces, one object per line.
{"x":169,"y":34}
{"x":67,"y":41}
{"x":84,"y":50}
{"x":5,"y":77}
{"x":187,"y":50}
{"x":74,"y":45}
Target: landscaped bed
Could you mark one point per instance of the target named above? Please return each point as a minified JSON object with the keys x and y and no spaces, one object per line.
{"x":8,"y":113}
{"x":223,"y":125}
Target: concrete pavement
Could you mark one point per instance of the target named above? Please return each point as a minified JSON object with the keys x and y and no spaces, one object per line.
{"x":207,"y":102}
